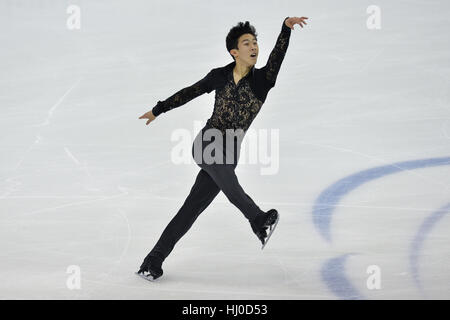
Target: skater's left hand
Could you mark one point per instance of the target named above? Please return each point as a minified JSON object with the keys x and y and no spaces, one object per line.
{"x":290,"y":22}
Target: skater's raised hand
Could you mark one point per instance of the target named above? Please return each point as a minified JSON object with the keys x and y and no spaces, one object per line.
{"x":290,"y":22}
{"x":148,"y":115}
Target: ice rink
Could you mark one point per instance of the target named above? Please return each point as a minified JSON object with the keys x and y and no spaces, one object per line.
{"x":359,"y":166}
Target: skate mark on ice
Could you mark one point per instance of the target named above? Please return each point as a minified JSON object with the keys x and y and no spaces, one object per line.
{"x":38,"y":138}
{"x":125,"y":250}
{"x":329,"y":198}
{"x":56,"y":105}
{"x":24,"y":156}
{"x":83,"y":167}
{"x":124,"y":192}
{"x":417,"y":243}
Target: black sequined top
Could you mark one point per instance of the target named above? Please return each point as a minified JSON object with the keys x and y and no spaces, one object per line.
{"x":236,"y":106}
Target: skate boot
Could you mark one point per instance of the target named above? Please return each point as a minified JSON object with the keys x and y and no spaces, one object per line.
{"x":151,"y":268}
{"x":263,"y":223}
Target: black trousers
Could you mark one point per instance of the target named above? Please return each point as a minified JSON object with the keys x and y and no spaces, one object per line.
{"x":211,"y":179}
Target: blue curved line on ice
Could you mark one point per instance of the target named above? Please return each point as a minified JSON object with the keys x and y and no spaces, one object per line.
{"x":417,"y":243}
{"x":333,"y":274}
{"x":330,"y":197}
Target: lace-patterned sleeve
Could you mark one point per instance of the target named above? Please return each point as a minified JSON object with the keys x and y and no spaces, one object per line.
{"x":184,"y":95}
{"x":277,"y":55}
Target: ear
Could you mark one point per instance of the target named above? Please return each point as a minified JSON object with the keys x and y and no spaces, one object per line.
{"x":234,"y":52}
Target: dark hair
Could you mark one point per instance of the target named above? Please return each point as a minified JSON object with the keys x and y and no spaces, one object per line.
{"x":237,"y":31}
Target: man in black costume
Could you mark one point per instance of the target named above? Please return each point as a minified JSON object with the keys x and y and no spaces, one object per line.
{"x":241,"y":90}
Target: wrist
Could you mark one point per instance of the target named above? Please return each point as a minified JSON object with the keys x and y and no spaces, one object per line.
{"x":285,"y":27}
{"x":158,"y":109}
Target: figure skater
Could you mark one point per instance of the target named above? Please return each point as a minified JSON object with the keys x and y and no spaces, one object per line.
{"x":240,"y":91}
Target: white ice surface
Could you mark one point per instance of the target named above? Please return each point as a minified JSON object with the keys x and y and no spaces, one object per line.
{"x":84,"y":182}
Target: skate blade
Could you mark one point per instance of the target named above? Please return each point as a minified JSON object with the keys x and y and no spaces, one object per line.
{"x":148,"y":278}
{"x":272,"y":229}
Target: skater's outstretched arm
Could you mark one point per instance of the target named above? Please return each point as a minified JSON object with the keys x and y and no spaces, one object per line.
{"x":179,"y":98}
{"x":276,"y":57}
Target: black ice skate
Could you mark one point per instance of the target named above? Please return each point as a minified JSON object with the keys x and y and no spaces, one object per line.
{"x":151,"y":268}
{"x":268,"y":220}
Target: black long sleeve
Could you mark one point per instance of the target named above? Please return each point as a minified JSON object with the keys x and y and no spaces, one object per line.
{"x":236,"y":105}
{"x":276,"y":57}
{"x":184,"y":95}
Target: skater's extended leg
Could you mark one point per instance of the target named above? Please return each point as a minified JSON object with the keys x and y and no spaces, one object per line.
{"x":201,"y":195}
{"x":225,"y":178}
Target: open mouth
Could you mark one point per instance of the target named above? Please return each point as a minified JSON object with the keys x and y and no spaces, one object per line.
{"x":253,"y":55}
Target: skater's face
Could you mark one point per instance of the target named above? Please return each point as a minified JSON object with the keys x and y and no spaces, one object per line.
{"x":247,"y":46}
